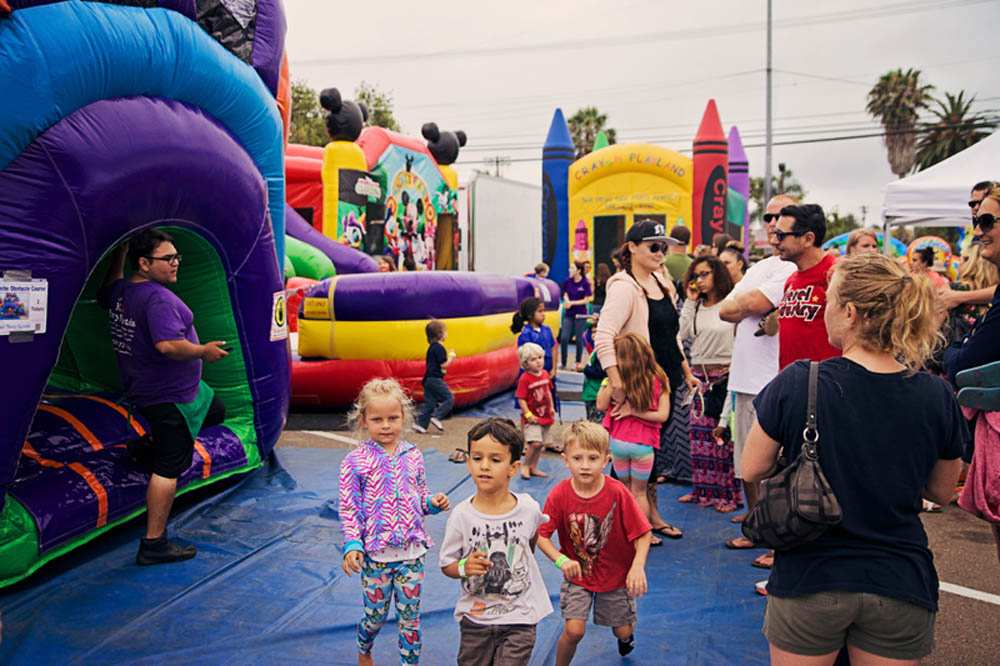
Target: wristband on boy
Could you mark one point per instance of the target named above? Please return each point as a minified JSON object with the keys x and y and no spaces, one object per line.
{"x":528,"y":414}
{"x":461,"y":567}
{"x":560,"y":561}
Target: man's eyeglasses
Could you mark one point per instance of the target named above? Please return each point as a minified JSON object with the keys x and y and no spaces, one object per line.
{"x":782,"y":235}
{"x":172,"y":259}
{"x":985,"y":222}
{"x":770,"y":217}
{"x":656,"y":248}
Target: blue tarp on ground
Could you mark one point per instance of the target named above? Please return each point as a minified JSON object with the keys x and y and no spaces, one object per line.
{"x":267,"y":586}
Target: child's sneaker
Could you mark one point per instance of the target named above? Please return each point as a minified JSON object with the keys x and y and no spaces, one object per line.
{"x":626,"y":646}
{"x":437,"y":424}
{"x":419,"y":428}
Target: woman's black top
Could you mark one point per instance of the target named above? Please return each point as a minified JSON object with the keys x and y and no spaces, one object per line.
{"x":664,"y":325}
{"x":600,"y":292}
{"x":880,"y":437}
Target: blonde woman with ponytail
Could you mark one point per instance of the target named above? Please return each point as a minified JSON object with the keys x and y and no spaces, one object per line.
{"x":889,"y":436}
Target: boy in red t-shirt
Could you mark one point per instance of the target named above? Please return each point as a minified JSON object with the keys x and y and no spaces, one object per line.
{"x":603,"y":543}
{"x":801,"y":330}
{"x":538,"y":412}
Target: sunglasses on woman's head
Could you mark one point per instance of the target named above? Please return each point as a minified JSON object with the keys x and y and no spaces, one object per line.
{"x":985,"y":222}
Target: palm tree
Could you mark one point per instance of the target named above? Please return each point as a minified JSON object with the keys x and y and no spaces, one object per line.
{"x":895,"y":102}
{"x":953,"y":129}
{"x":584,"y":126}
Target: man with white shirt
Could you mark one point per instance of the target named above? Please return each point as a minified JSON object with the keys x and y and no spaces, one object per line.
{"x":755,"y":352}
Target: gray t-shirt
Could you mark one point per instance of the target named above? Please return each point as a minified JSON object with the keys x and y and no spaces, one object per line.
{"x":512,"y":591}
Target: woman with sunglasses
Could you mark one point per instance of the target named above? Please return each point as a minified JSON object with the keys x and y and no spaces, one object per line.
{"x":980,"y":496}
{"x":639,"y":302}
{"x":712,"y":480}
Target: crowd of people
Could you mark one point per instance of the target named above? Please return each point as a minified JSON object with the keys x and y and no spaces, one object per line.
{"x":698,"y":374}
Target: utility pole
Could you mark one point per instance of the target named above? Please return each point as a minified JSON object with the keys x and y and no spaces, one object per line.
{"x":497,"y":161}
{"x":767,"y":126}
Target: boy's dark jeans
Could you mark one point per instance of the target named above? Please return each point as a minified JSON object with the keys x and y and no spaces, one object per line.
{"x":438,"y":401}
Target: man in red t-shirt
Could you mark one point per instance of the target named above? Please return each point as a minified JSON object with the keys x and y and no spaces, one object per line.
{"x":801,"y":329}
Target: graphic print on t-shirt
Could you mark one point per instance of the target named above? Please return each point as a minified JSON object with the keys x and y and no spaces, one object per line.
{"x":508,"y":576}
{"x":589,"y":536}
{"x":538,"y":397}
{"x":806,"y":303}
{"x":122,"y":328}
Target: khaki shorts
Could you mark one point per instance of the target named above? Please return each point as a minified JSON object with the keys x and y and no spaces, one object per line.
{"x":495,"y":644}
{"x":537,"y":433}
{"x":611,"y":609}
{"x":821,"y":623}
{"x":743,"y":417}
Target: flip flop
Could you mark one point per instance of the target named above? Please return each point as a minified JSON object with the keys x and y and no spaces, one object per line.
{"x":539,"y":473}
{"x":732,"y":544}
{"x":738,"y":519}
{"x":726,"y":508}
{"x":687,"y":499}
{"x":662,"y":531}
{"x":458,"y":456}
{"x":758,"y":562}
{"x":655,"y":542}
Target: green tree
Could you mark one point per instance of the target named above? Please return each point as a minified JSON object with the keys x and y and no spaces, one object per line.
{"x":837,"y":224}
{"x":307,"y":124}
{"x":954,"y":128}
{"x":895,"y":102}
{"x":380,"y":113}
{"x":584,"y":126}
{"x":784,"y":183}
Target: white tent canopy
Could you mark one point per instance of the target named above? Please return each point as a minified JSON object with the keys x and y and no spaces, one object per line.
{"x":939,"y":196}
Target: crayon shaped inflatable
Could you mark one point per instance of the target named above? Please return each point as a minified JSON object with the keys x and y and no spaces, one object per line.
{"x":558,"y":154}
{"x":711,"y":163}
{"x":739,"y":181}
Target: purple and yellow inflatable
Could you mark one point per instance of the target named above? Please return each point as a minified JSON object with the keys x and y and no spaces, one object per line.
{"x":117,"y":119}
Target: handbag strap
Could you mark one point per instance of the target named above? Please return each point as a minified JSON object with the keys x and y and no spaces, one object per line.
{"x":810,"y":435}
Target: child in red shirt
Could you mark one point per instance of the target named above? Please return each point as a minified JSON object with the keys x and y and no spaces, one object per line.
{"x":603,"y":543}
{"x":538,"y":412}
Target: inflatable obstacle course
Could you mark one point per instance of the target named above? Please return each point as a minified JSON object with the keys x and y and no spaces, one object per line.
{"x":346,"y":336}
{"x":99,"y":143}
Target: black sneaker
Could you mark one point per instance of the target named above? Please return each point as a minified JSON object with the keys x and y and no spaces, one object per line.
{"x":162,"y":551}
{"x":626,"y":646}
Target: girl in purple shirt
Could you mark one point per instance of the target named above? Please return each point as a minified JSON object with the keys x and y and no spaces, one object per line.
{"x":383,"y":501}
{"x":577,"y":294}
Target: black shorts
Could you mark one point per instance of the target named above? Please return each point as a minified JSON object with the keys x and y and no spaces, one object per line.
{"x":173,"y":446}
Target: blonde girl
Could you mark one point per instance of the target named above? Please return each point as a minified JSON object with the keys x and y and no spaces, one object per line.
{"x":634,"y":424}
{"x":383,"y":501}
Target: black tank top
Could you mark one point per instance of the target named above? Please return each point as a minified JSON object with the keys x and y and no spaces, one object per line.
{"x":664,"y":325}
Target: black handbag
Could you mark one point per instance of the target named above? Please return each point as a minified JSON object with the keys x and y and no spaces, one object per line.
{"x":797,"y":504}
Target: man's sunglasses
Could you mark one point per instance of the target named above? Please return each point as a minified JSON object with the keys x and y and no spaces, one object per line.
{"x":985,"y":222}
{"x":782,"y":235}
{"x":770,"y":217}
{"x":656,"y":248}
{"x":171,"y":259}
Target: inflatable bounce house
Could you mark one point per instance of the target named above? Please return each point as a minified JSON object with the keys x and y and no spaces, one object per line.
{"x":897,"y":248}
{"x":378,"y":191}
{"x":589,"y":203}
{"x":375,"y":192}
{"x":118,"y":118}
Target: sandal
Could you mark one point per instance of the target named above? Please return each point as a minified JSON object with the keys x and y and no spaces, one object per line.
{"x":687,"y":499}
{"x":537,"y":472}
{"x":740,"y":543}
{"x":726,"y":507}
{"x":458,"y":456}
{"x":668,"y":530}
{"x":654,"y":542}
{"x":765,"y":561}
{"x":739,"y":519}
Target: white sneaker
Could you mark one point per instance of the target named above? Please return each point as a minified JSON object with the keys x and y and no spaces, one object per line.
{"x":419,"y":428}
{"x":437,"y":424}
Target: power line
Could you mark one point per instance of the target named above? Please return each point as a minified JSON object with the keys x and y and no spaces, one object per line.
{"x":685,"y":34}
{"x":796,"y":142}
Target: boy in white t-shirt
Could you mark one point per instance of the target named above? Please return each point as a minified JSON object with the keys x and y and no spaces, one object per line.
{"x":489,"y":545}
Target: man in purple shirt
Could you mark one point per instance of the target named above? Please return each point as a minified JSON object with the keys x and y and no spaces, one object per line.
{"x":159,"y":359}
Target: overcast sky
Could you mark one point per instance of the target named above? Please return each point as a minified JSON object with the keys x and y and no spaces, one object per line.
{"x":499,"y":69}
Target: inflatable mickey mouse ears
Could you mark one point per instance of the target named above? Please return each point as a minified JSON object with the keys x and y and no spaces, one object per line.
{"x":444,"y":146}
{"x":346,"y":118}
